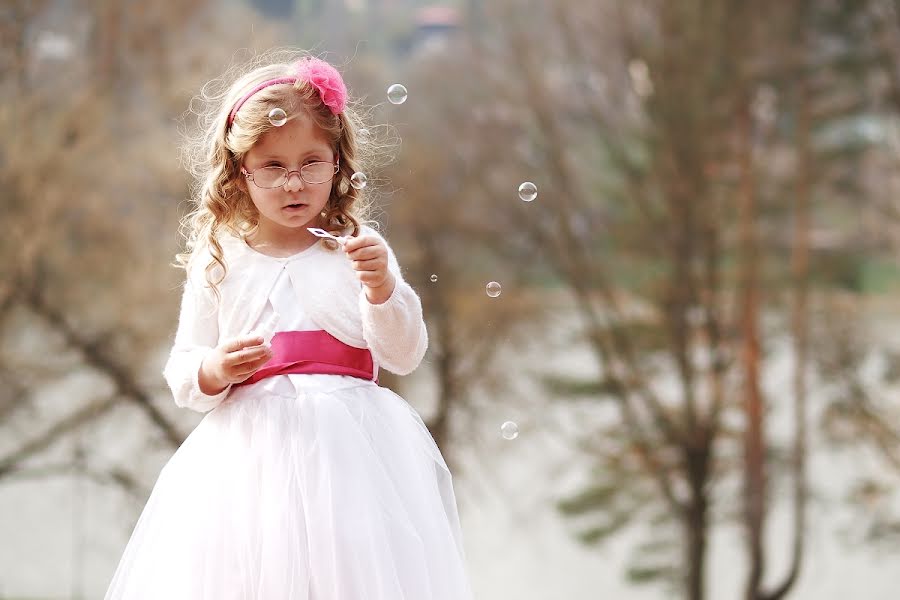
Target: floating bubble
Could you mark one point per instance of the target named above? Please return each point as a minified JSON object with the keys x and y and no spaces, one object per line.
{"x":527,"y":191}
{"x":365,"y":136}
{"x":277,"y":117}
{"x":509,"y":430}
{"x":433,"y":278}
{"x":397,"y":94}
{"x":492,"y":289}
{"x":359,"y":180}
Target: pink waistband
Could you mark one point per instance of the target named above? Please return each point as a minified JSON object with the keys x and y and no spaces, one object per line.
{"x":314,"y":352}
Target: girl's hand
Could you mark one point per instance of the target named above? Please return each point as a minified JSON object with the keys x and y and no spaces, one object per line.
{"x":232,"y":361}
{"x":369,"y":258}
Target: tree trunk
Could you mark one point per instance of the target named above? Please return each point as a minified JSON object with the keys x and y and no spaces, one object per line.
{"x":800,"y":334}
{"x":695,"y":520}
{"x":754,"y":457}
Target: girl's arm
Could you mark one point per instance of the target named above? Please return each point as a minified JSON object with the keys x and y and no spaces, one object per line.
{"x":197,"y":334}
{"x":395,"y":330}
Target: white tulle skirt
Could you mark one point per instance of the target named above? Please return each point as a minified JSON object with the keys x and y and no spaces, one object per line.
{"x":334,"y":490}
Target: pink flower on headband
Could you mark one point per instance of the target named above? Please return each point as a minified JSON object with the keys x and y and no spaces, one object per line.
{"x":327,"y":80}
{"x":318,"y":73}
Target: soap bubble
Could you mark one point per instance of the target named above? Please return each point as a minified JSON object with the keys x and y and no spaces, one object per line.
{"x":509,"y":430}
{"x":433,"y":278}
{"x":397,"y":94}
{"x":492,"y":289}
{"x":277,"y":117}
{"x":359,"y":180}
{"x":527,"y":191}
{"x":364,"y":135}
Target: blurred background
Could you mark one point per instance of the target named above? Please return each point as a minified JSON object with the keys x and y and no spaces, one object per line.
{"x":687,"y":386}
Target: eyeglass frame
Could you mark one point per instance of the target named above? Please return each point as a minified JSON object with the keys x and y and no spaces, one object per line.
{"x":288,"y":172}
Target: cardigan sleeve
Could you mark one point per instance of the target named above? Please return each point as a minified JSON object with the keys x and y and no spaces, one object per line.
{"x":395,"y":330}
{"x":197,"y":334}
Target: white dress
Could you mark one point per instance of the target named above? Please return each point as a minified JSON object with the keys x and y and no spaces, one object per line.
{"x":307,"y":487}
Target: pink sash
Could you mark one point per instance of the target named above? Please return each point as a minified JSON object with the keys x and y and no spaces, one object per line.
{"x":314,"y":352}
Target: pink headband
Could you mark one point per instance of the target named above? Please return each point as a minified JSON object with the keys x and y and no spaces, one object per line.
{"x":318,"y":73}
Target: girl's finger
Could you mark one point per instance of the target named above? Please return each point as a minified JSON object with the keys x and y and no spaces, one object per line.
{"x":248,"y":355}
{"x":365,"y":243}
{"x":249,"y":369}
{"x":242,"y":342}
{"x":246,"y":370}
{"x":368,"y":265}
{"x":355,"y":243}
{"x":244,"y":374}
{"x":366,"y":252}
{"x":261,"y":362}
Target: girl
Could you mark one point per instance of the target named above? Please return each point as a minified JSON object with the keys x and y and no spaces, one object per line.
{"x":305,"y":479}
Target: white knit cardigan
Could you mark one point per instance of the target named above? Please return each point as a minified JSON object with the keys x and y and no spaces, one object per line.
{"x":334,"y":299}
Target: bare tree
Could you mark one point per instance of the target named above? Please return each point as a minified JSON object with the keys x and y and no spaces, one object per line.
{"x":90,"y":177}
{"x":666,"y":140}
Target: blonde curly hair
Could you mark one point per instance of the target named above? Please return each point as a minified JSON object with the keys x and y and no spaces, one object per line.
{"x":214,"y":153}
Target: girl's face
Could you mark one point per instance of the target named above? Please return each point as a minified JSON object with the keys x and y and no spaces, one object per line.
{"x":295,"y":205}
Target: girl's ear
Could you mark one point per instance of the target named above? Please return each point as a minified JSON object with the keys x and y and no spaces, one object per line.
{"x":240,"y":182}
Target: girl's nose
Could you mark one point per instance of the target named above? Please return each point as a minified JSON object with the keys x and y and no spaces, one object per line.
{"x":294,"y":182}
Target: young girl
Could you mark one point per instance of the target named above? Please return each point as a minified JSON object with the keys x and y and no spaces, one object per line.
{"x":305,"y":479}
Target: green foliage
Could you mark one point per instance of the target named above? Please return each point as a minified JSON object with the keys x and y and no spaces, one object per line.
{"x":605,"y":504}
{"x":598,"y":534}
{"x":651,"y":574}
{"x":579,"y":387}
{"x":842,"y":270}
{"x":651,"y":561}
{"x":589,"y":500}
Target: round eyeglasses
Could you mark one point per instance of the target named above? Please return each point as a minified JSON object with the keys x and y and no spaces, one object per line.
{"x":275,"y":177}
